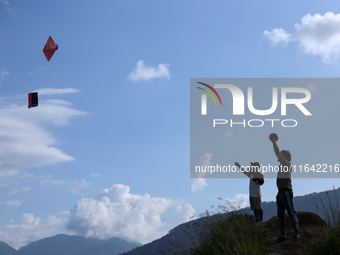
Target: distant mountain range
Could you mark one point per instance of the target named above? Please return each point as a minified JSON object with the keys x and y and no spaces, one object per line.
{"x":180,"y":235}
{"x":71,"y":245}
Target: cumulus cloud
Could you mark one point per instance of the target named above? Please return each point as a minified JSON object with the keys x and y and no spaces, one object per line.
{"x":320,"y":35}
{"x":316,"y":34}
{"x":200,"y":183}
{"x":278,"y":36}
{"x":237,"y":202}
{"x":30,"y":229}
{"x":24,"y":140}
{"x":145,"y":73}
{"x":115,"y":212}
{"x":205,"y":159}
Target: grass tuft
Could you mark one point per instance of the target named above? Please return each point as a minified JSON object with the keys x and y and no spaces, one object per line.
{"x":226,"y":231}
{"x":329,"y":241}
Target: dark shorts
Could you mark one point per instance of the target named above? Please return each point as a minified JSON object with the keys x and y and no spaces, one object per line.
{"x":255,"y":203}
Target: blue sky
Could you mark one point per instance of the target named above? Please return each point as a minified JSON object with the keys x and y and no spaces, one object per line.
{"x":107,"y":151}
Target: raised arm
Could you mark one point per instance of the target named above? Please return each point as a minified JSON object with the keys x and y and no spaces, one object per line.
{"x":242,"y":169}
{"x":278,"y":154}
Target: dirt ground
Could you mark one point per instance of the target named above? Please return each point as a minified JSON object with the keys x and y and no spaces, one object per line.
{"x":310,"y":227}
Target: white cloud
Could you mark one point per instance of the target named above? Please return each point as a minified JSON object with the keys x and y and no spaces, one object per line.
{"x":3,"y":75}
{"x":239,"y":201}
{"x":15,"y":203}
{"x":95,"y":175}
{"x":54,"y":113}
{"x":51,"y":91}
{"x":320,"y":35}
{"x":205,"y":159}
{"x":316,"y":34}
{"x":31,"y":229}
{"x":143,"y":72}
{"x":200,"y":183}
{"x":278,"y":36}
{"x":115,"y":212}
{"x":24,"y":140}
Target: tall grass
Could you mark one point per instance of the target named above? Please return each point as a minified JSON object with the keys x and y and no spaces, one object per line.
{"x":225,"y":232}
{"x":329,"y":241}
{"x":236,"y":233}
{"x":329,"y":210}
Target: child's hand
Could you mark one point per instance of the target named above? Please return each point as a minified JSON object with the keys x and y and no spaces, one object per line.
{"x":273,"y":137}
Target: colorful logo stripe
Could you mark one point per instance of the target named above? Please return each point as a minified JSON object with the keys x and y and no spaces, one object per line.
{"x":213,"y":90}
{"x":209,"y":94}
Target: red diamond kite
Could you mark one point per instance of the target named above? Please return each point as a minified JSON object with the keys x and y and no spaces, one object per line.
{"x":50,"y":48}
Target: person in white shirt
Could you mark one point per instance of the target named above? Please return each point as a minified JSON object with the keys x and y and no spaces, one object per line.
{"x":255,"y":182}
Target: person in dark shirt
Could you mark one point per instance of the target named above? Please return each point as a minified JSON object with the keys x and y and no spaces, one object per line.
{"x":284,"y":198}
